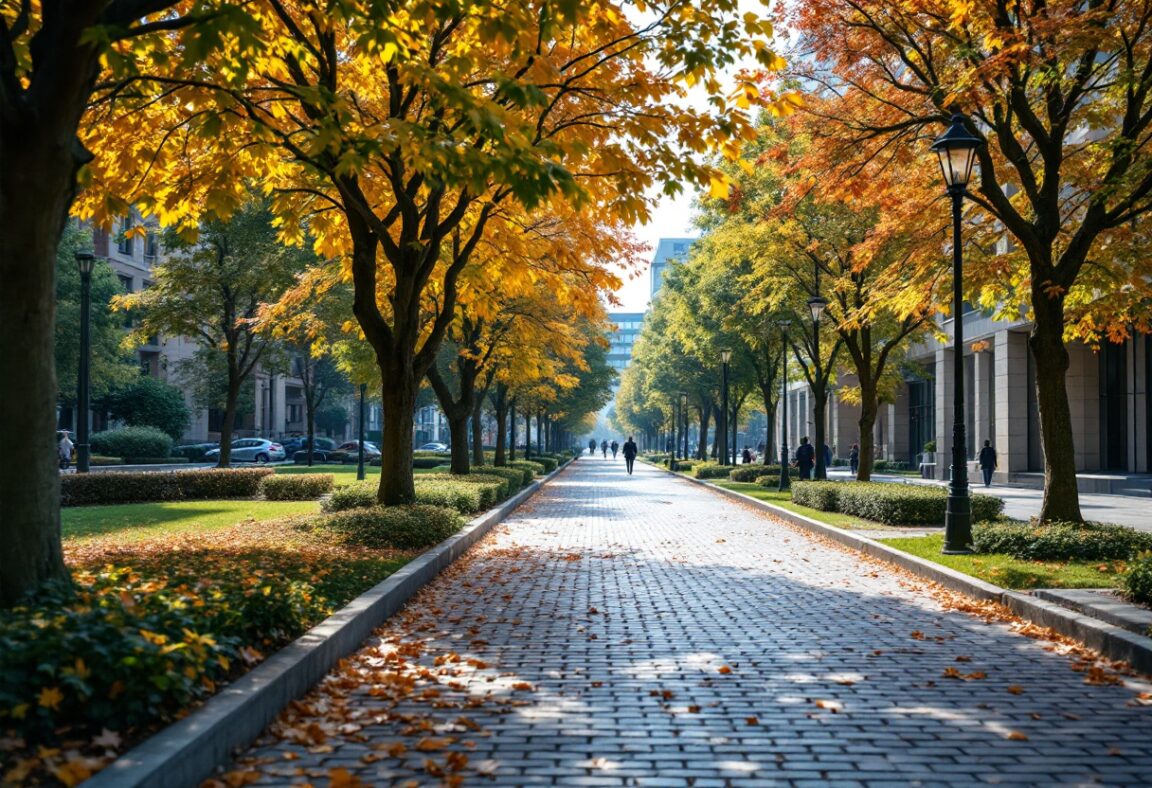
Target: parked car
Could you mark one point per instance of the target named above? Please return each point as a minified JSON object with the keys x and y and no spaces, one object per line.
{"x":349,"y":452}
{"x":251,"y":450}
{"x":434,"y":447}
{"x":321,"y":447}
{"x":195,"y":452}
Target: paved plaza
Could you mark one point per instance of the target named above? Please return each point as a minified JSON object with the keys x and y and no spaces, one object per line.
{"x":644,"y":630}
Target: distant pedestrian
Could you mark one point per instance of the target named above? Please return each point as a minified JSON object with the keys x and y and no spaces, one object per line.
{"x":827,"y":457}
{"x":854,"y":458}
{"x":604,"y":448}
{"x":805,"y":458}
{"x":64,"y":451}
{"x":630,"y":451}
{"x":988,"y":462}
{"x":615,"y":448}
{"x":747,"y":455}
{"x":592,"y":447}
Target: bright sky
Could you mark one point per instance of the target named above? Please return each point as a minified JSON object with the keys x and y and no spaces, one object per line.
{"x":672,"y":218}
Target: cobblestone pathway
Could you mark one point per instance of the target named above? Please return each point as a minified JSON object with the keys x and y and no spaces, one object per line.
{"x":643,"y":631}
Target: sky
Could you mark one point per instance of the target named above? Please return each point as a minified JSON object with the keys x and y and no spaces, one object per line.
{"x":671,"y":218}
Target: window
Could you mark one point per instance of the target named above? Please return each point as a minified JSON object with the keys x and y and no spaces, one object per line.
{"x":151,"y":244}
{"x":295,"y":413}
{"x":125,"y":283}
{"x":124,"y":244}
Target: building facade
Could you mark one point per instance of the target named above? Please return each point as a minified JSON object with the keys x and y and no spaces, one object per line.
{"x":625,"y":331}
{"x":668,"y":250}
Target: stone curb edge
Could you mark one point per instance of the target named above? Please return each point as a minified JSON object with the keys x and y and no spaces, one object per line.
{"x":186,"y":752}
{"x":1112,"y":641}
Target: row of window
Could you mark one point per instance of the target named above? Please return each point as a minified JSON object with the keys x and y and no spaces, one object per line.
{"x":125,"y":243}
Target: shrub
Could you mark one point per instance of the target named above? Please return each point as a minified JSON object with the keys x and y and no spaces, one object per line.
{"x":1061,"y":541}
{"x":908,"y":504}
{"x":352,"y":496}
{"x":500,"y":483}
{"x":297,"y":486}
{"x":1138,"y":579}
{"x":824,"y":496}
{"x":711,"y":470}
{"x":148,"y":402}
{"x":686,"y":465}
{"x":107,"y":488}
{"x":133,"y":442}
{"x":770,"y":481}
{"x":400,"y":527}
{"x":96,"y":459}
{"x":192,"y":453}
{"x":890,"y":465}
{"x":517,"y":477}
{"x":153,"y":460}
{"x":751,"y":472}
{"x":422,"y":462}
{"x":549,"y":463}
{"x":536,"y":467}
{"x":463,"y":497}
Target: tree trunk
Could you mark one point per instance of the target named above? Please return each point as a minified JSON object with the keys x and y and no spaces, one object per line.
{"x":1061,"y":498}
{"x":227,"y":427}
{"x":820,"y":408}
{"x":401,"y":386}
{"x":501,"y":407}
{"x":458,"y":429}
{"x":478,"y":432}
{"x":705,"y":421}
{"x":869,"y":406}
{"x":512,"y":430}
{"x":311,"y":428}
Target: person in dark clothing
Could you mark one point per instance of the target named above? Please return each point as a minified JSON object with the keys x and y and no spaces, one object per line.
{"x":827,"y":457}
{"x":854,"y":458}
{"x":592,"y":446}
{"x":604,"y":448}
{"x":615,"y":447}
{"x":629,"y":453}
{"x":805,"y":458}
{"x":988,"y":462}
{"x":747,"y":455}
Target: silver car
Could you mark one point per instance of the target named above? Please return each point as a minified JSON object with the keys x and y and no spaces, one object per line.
{"x":252,"y":450}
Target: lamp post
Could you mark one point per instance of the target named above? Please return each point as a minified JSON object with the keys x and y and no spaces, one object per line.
{"x":816,"y":305}
{"x":785,"y":482}
{"x":684,"y":420}
{"x":956,"y":149}
{"x":725,"y":357}
{"x":360,"y":442}
{"x":84,"y":261}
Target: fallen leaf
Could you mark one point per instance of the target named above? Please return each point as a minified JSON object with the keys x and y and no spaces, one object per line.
{"x":1017,"y":736}
{"x":724,"y":669}
{"x":1015,"y":689}
{"x":342,"y":778}
{"x":752,"y":720}
{"x":432,"y":744}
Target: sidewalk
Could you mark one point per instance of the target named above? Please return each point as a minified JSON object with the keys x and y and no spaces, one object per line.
{"x":644,"y":630}
{"x":1023,"y":503}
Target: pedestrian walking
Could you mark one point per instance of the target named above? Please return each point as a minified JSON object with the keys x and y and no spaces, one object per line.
{"x":747,"y":455}
{"x":629,"y":453}
{"x":827,"y":457}
{"x":64,"y":450}
{"x":854,"y":458}
{"x":604,"y":448}
{"x":592,"y":447}
{"x":805,"y":458}
{"x":988,"y":462}
{"x":615,"y":448}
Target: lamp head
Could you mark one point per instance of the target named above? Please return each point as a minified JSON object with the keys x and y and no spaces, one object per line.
{"x":817,"y":305}
{"x":725,"y":355}
{"x":784,"y":324}
{"x":85,"y":259}
{"x":956,"y":149}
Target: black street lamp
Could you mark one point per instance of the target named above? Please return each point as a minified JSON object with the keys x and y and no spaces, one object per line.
{"x":785,"y":482}
{"x":956,"y":149}
{"x":684,"y":420}
{"x":816,"y":305}
{"x":725,"y":357}
{"x":84,"y":261}
{"x":360,"y":442}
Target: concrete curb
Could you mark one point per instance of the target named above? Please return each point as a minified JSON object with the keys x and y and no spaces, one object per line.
{"x":186,"y":752}
{"x":1111,"y":641}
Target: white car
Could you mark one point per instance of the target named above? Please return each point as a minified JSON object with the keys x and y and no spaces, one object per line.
{"x":251,"y":450}
{"x":433,"y":447}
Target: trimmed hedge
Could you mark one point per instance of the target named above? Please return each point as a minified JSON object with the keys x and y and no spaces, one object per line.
{"x":891,"y":504}
{"x":352,"y":496}
{"x":751,"y":472}
{"x":891,"y":465}
{"x":398,"y":527}
{"x":548,"y":462}
{"x":1061,"y":541}
{"x":1138,"y":579}
{"x":517,"y":477}
{"x":537,"y":467}
{"x":190,"y":453}
{"x":133,"y":442}
{"x":423,"y":462}
{"x":769,"y":481}
{"x":297,"y":486}
{"x":711,"y":470}
{"x":463,"y":497}
{"x":192,"y":485}
{"x":96,"y":459}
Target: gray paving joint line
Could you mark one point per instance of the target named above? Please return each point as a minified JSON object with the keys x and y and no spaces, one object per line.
{"x":1110,"y":640}
{"x":186,"y":752}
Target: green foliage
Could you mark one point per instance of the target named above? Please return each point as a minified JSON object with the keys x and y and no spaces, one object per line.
{"x":536,"y":466}
{"x":1138,"y":579}
{"x":399,"y":527}
{"x":133,"y":442}
{"x":548,"y":462}
{"x":710,"y":470}
{"x":463,"y":497}
{"x":192,"y":453}
{"x":148,"y":402}
{"x":108,"y":488}
{"x":97,"y":459}
{"x":892,"y":504}
{"x":890,"y":465}
{"x":769,"y":481}
{"x":752,"y":472}
{"x":352,"y":496}
{"x":517,"y":477}
{"x":1061,"y":541}
{"x":296,"y":487}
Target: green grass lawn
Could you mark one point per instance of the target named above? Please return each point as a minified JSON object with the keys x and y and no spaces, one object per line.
{"x":137,"y":521}
{"x":1009,"y":572}
{"x":346,"y":474}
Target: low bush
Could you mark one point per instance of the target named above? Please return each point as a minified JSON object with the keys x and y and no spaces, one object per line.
{"x":751,"y":472}
{"x":190,"y":453}
{"x":297,"y":486}
{"x":463,"y":497}
{"x":399,"y":527}
{"x":114,"y":487}
{"x":352,"y":496}
{"x":890,"y":465}
{"x":1061,"y":541}
{"x":907,"y":504}
{"x":154,"y":460}
{"x":769,"y":481}
{"x":660,"y":457}
{"x":1138,"y":579}
{"x":97,"y":459}
{"x":517,"y":477}
{"x":711,"y":470}
{"x":501,"y":484}
{"x":547,"y":461}
{"x":537,"y":467}
{"x":133,"y":442}
{"x":686,"y":465}
{"x":434,"y":461}
{"x":824,"y":496}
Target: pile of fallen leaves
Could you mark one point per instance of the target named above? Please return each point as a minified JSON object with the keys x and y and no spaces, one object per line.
{"x":147,"y":630}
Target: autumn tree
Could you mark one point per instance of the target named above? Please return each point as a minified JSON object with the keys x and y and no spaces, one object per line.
{"x":212,"y":291}
{"x":1062,"y":94}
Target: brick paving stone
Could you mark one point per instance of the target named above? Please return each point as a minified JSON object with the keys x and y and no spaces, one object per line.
{"x":642,"y":630}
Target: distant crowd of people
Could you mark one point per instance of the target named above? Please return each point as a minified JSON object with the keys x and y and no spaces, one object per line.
{"x":629,"y":448}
